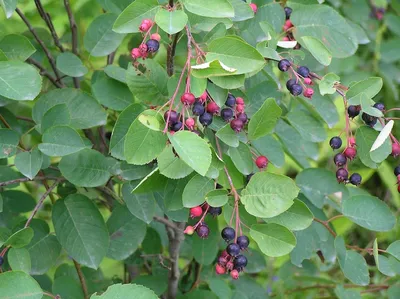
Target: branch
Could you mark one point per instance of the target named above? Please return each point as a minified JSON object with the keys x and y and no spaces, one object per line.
{"x":171,"y":53}
{"x":45,"y":73}
{"x":81,"y":279}
{"x":168,"y":223}
{"x":21,"y":180}
{"x":326,"y":224}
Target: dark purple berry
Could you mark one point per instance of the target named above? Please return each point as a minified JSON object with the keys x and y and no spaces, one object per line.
{"x":284,"y":65}
{"x":198,"y":109}
{"x":296,"y":89}
{"x":226,"y":114}
{"x":240,"y":262}
{"x":176,"y":126}
{"x":379,"y":106}
{"x":202,"y":231}
{"x":1,"y":260}
{"x":397,"y":170}
{"x":237,"y":125}
{"x":206,"y":119}
{"x":340,"y":159}
{"x":290,"y":83}
{"x":233,"y":249}
{"x":303,"y":71}
{"x":243,"y":242}
{"x":230,"y":101}
{"x":369,"y":119}
{"x":215,"y":211}
{"x":152,"y":45}
{"x":335,"y":142}
{"x":228,"y":234}
{"x":288,"y":12}
{"x":353,"y":111}
{"x":355,"y":179}
{"x":242,"y":117}
{"x":342,"y":175}
{"x":173,"y":118}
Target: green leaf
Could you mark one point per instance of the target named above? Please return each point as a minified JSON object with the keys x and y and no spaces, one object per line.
{"x":141,"y":205}
{"x":81,"y":230}
{"x":29,"y":163}
{"x":235,"y":53}
{"x":317,"y":49}
{"x":336,"y":35}
{"x":172,"y":166}
{"x":71,"y":65}
{"x":264,"y":120}
{"x":268,"y":195}
{"x":19,"y":259}
{"x":116,"y":73}
{"x":19,"y":285}
{"x":16,"y":201}
{"x":229,"y":82}
{"x":211,"y":69}
{"x":242,"y":158}
{"x":16,"y":47}
{"x":394,"y":249}
{"x":20,"y":238}
{"x":327,"y":84}
{"x":369,"y":212}
{"x":195,"y":191}
{"x":126,"y":233}
{"x":228,"y":136}
{"x":158,"y":283}
{"x":126,"y":291}
{"x":352,"y":263}
{"x":271,"y":148}
{"x":219,"y":286}
{"x":366,"y":105}
{"x":192,"y":149}
{"x":67,"y":287}
{"x":365,"y":137}
{"x":324,"y":106}
{"x":8,"y":6}
{"x":242,"y":10}
{"x":61,"y":141}
{"x":217,"y":198}
{"x":210,"y":8}
{"x":85,"y":112}
{"x":19,"y":81}
{"x":267,"y":52}
{"x":100,"y":39}
{"x":9,"y":140}
{"x":171,"y":21}
{"x":121,"y":128}
{"x":152,"y":120}
{"x":343,"y":293}
{"x":297,"y":217}
{"x":273,"y":240}
{"x":309,"y":127}
{"x":370,"y":87}
{"x":57,"y":115}
{"x":86,"y":168}
{"x":131,"y":18}
{"x":143,"y":144}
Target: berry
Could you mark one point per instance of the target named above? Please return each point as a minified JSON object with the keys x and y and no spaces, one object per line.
{"x":284,"y":65}
{"x":222,"y":261}
{"x":188,"y":98}
{"x":350,"y":153}
{"x":198,"y":109}
{"x":242,"y":117}
{"x":230,"y":101}
{"x":189,"y":123}
{"x":152,"y":45}
{"x":236,"y":125}
{"x":189,"y":230}
{"x":288,"y":12}
{"x":308,"y":92}
{"x":285,"y":39}
{"x":206,"y":119}
{"x":253,"y":7}
{"x":290,"y":83}
{"x":342,"y":175}
{"x":173,"y":116}
{"x":229,"y":265}
{"x":395,"y":149}
{"x":307,"y":81}
{"x":233,"y":249}
{"x":303,"y":71}
{"x":228,"y":234}
{"x":355,"y":179}
{"x":135,"y":53}
{"x":203,"y":231}
{"x":203,"y":96}
{"x":240,"y":108}
{"x":212,"y":108}
{"x":335,"y":142}
{"x":353,"y":111}
{"x":143,"y":49}
{"x":205,"y":206}
{"x":288,"y":24}
{"x":397,"y":170}
{"x":296,"y":89}
{"x":224,"y":254}
{"x":196,"y":212}
{"x":146,"y":25}
{"x":379,"y":106}
{"x":352,"y":141}
{"x":215,"y":211}
{"x":261,"y":162}
{"x":240,"y":262}
{"x":235,"y":274}
{"x":155,"y":36}
{"x":219,"y":269}
{"x":369,"y":119}
{"x":340,"y":159}
{"x":243,"y":242}
{"x":176,"y":126}
{"x":239,"y":101}
{"x":226,"y":114}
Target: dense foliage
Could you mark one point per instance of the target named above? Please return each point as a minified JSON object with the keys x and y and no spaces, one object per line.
{"x":199,"y":149}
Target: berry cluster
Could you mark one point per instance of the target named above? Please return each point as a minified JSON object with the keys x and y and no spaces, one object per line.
{"x":201,"y":227}
{"x":146,"y":47}
{"x":230,"y":259}
{"x":302,"y":78}
{"x":287,"y":28}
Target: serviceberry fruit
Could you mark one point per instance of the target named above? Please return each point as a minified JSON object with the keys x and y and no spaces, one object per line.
{"x":290,"y":83}
{"x":284,"y":65}
{"x":335,"y":142}
{"x":352,"y":141}
{"x":395,"y":149}
{"x":135,"y":53}
{"x":212,"y":108}
{"x":288,"y":12}
{"x":190,"y":123}
{"x":296,"y":89}
{"x":224,"y":254}
{"x":235,"y":274}
{"x":230,"y":101}
{"x":206,"y":119}
{"x":228,"y":234}
{"x":261,"y":162}
{"x":196,"y":212}
{"x":350,"y":153}
{"x":188,"y":98}
{"x":222,"y":261}
{"x":198,"y":109}
{"x":369,"y":119}
{"x":236,"y":125}
{"x":379,"y":106}
{"x":253,"y":7}
{"x":176,"y":126}
{"x":203,"y":96}
{"x":145,"y":25}
{"x":308,"y":92}
{"x":189,"y":230}
{"x":307,"y":81}
{"x":340,"y":159}
{"x":155,"y":36}
{"x":240,"y":262}
{"x":397,"y":170}
{"x":288,"y":24}
{"x":215,"y":211}
{"x":303,"y":71}
{"x":226,"y":114}
{"x":240,"y":108}
{"x":342,"y":175}
{"x":243,"y":242}
{"x":353,"y":111}
{"x":239,"y":101}
{"x":152,"y":45}
{"x":243,"y":117}
{"x":173,"y":116}
{"x":355,"y":179}
{"x":143,"y":49}
{"x":203,"y":231}
{"x":219,"y":269}
{"x":229,"y":265}
{"x":233,"y":249}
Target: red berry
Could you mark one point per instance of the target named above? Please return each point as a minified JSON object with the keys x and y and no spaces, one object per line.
{"x":188,"y":98}
{"x":240,"y":108}
{"x":212,"y":108}
{"x":239,"y":101}
{"x":146,"y":25}
{"x":224,"y":254}
{"x":235,"y":274}
{"x":237,"y":125}
{"x":307,"y":81}
{"x":189,"y":230}
{"x":229,"y":265}
{"x":219,"y":269}
{"x":350,"y":153}
{"x":190,"y":123}
{"x":285,"y":39}
{"x":135,"y":53}
{"x":222,"y":261}
{"x":395,"y":149}
{"x":196,"y":212}
{"x":261,"y":162}
{"x":288,"y":23}
{"x":203,"y":96}
{"x":352,"y":141}
{"x":308,"y":92}
{"x":155,"y":36}
{"x":253,"y":7}
{"x":143,"y":49}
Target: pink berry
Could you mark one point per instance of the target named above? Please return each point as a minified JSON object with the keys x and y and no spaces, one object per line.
{"x":203,"y":96}
{"x":224,"y":254}
{"x":307,"y":81}
{"x":352,"y":141}
{"x":235,"y":274}
{"x":190,"y":123}
{"x":189,"y":230}
{"x":239,"y":101}
{"x":350,"y":153}
{"x":395,"y":149}
{"x":229,"y":265}
{"x":146,"y":25}
{"x":196,"y":212}
{"x":308,"y":92}
{"x":188,"y":98}
{"x":285,"y":39}
{"x":212,"y":108}
{"x":135,"y":53}
{"x":261,"y":162}
{"x":155,"y":36}
{"x":288,"y":23}
{"x":219,"y":269}
{"x":240,"y":108}
{"x":143,"y":48}
{"x":253,"y":7}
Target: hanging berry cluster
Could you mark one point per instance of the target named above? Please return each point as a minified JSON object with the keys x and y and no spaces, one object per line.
{"x":288,"y":27}
{"x":149,"y":46}
{"x":201,"y":227}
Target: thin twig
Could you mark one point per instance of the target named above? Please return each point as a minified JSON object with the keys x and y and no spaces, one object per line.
{"x":21,"y":180}
{"x":324,"y":223}
{"x":81,"y":279}
{"x":45,"y":73}
{"x":171,"y":54}
{"x":24,"y":118}
{"x":167,"y":223}
{"x":334,"y":218}
{"x":160,"y":257}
